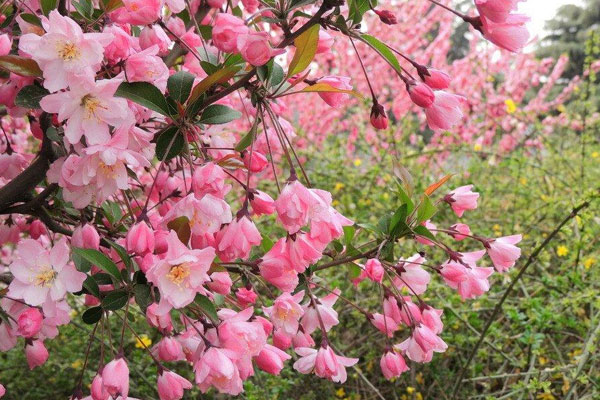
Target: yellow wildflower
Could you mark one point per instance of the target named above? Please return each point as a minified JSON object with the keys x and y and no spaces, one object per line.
{"x":143,"y":341}
{"x":589,"y":262}
{"x":477,"y":147}
{"x":340,"y":393}
{"x":523,"y":181}
{"x":562,"y":251}
{"x":357,"y":162}
{"x":511,"y":107}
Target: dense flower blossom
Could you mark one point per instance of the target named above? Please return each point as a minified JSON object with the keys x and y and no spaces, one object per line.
{"x":42,"y":275}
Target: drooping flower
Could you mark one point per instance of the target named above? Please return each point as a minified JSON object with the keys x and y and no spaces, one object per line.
{"x":286,"y":312}
{"x":445,"y":111}
{"x":171,"y":385}
{"x":329,"y":317}
{"x":462,"y":199}
{"x":271,"y":359}
{"x":392,"y":364}
{"x":324,"y":362}
{"x":115,"y":377}
{"x":465,"y":276}
{"x":412,"y":275}
{"x":336,"y":99}
{"x":36,"y":353}
{"x":503,"y":251}
{"x":236,"y":239}
{"x":510,"y":34}
{"x":40,"y":274}
{"x":216,"y":368}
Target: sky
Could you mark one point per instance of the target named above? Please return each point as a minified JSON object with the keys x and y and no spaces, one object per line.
{"x":540,"y":11}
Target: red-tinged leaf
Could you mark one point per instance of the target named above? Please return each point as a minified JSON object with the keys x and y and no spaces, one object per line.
{"x":20,"y":66}
{"x":325,"y":87}
{"x":181,"y":226}
{"x":432,"y":188}
{"x":306,"y":48}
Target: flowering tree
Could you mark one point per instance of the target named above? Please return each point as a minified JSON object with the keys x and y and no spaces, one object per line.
{"x":140,"y":141}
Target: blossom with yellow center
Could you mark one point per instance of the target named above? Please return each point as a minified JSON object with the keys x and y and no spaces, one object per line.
{"x":45,"y":278}
{"x":91,"y":105}
{"x":178,"y":273}
{"x":357,"y":162}
{"x":589,"y":262}
{"x":562,"y":251}
{"x":68,"y":51}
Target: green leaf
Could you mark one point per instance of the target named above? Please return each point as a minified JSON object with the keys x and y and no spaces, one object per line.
{"x":31,"y":19}
{"x":144,"y":94}
{"x":180,"y":85}
{"x":30,"y":96}
{"x":171,"y":137}
{"x":327,"y":88}
{"x":207,"y":307}
{"x":115,"y":300}
{"x":91,"y":286}
{"x":219,"y":114}
{"x":143,"y":296}
{"x":112,"y":211}
{"x":83,"y":7}
{"x":426,"y":209}
{"x":100,"y":260}
{"x":20,"y":65}
{"x":266,"y":244}
{"x":357,"y":8}
{"x":383,"y":50}
{"x":248,"y":137}
{"x":102,"y":279}
{"x":47,"y":6}
{"x":92,"y":315}
{"x":405,"y":198}
{"x":221,"y":76}
{"x":234,"y":59}
{"x":306,"y":48}
{"x":121,"y":252}
{"x":422,"y":231}
{"x":349,"y":233}
{"x":81,"y":263}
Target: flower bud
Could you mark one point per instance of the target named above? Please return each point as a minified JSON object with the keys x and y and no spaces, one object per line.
{"x":36,"y":353}
{"x":86,"y":236}
{"x":30,"y":322}
{"x":379,"y":118}
{"x":140,"y":239}
{"x":387,"y":17}
{"x":421,"y":94}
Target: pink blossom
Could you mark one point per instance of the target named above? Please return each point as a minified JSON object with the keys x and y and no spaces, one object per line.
{"x":324,"y":362}
{"x":510,"y":34}
{"x":238,"y":334}
{"x":285,"y":312}
{"x":469,"y":279}
{"x":30,"y":322}
{"x":205,"y":215}
{"x":226,"y":31}
{"x":378,"y":118}
{"x":40,"y":274}
{"x":412,"y":275}
{"x":137,"y":12}
{"x":216,"y":368}
{"x":64,"y":51}
{"x":462,"y":199}
{"x":255,"y":48}
{"x":496,"y":10}
{"x":421,"y":345}
{"x":277,"y":269}
{"x":431,"y":226}
{"x":329,"y":317}
{"x":90,"y":108}
{"x":181,"y":274}
{"x":374,"y":270}
{"x":122,"y":44}
{"x":271,"y":359}
{"x":325,"y":42}
{"x":210,"y":179}
{"x":503,"y":251}
{"x":255,"y":161}
{"x":5,"y":44}
{"x":2,"y":390}
{"x":146,"y":66}
{"x":445,"y":111}
{"x":155,"y":35}
{"x":392,"y":365}
{"x":97,"y":390}
{"x":335,"y":99}
{"x":36,"y":353}
{"x":171,"y":386}
{"x":246,"y":296}
{"x":293,"y":206}
{"x":161,"y":321}
{"x":385,"y":324}
{"x":262,"y":203}
{"x":115,"y":377}
{"x":236,"y":239}
{"x":302,"y":251}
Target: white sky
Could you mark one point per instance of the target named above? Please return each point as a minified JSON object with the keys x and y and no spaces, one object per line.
{"x":540,"y":11}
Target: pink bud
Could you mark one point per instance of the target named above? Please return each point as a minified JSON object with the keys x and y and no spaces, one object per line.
{"x":86,"y":237}
{"x":97,"y":390}
{"x":155,"y":35}
{"x":30,"y":322}
{"x":246,"y":296}
{"x":392,"y":365}
{"x":5,"y":44}
{"x":379,"y":119}
{"x":36,"y":353}
{"x":437,"y":79}
{"x":374,"y":270}
{"x":461,"y":231}
{"x":37,"y":229}
{"x":160,"y":321}
{"x":220,"y":282}
{"x":387,"y":17}
{"x":255,"y":48}
{"x":115,"y":377}
{"x":255,"y":161}
{"x":271,"y":359}
{"x":421,"y":94}
{"x":262,"y":203}
{"x":2,"y":390}
{"x":140,"y":239}
{"x":170,"y":349}
{"x":281,"y":339}
{"x":335,"y":99}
